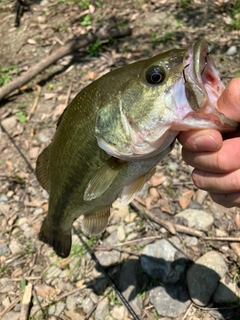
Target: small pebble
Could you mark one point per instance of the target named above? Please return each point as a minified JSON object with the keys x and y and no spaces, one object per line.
{"x":231,"y":51}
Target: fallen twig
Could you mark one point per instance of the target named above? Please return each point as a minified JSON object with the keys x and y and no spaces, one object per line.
{"x":230,"y":239}
{"x":70,"y":47}
{"x":26,"y":300}
{"x":35,"y":103}
{"x":8,"y":308}
{"x":68,"y":95}
{"x":166,"y":224}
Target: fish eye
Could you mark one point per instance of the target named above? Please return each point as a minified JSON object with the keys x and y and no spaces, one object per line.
{"x":155,"y":75}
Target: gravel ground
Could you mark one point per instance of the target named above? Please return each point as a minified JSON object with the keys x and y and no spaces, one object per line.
{"x":192,"y":274}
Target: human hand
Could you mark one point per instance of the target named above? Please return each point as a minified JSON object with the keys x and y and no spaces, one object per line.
{"x":217,"y":161}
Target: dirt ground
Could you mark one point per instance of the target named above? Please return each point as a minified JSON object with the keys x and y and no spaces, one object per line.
{"x":30,"y":115}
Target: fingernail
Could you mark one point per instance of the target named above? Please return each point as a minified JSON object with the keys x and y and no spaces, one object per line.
{"x":206,"y":143}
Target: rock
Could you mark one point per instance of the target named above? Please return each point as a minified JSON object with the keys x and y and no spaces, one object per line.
{"x":87,"y":305}
{"x":44,"y":136}
{"x":93,"y":297}
{"x":10,"y":123}
{"x":53,"y":272}
{"x":42,"y":19}
{"x":231,"y":51}
{"x":4,"y":249}
{"x":51,"y":309}
{"x":130,"y":283}
{"x":132,"y":236}
{"x":201,"y":195}
{"x":204,"y":275}
{"x":131,"y":217}
{"x":3,"y":198}
{"x":108,"y":258}
{"x":99,"y":281}
{"x":75,"y":314}
{"x":111,"y":239}
{"x":198,"y":219}
{"x":159,"y":261}
{"x":120,"y":233}
{"x":170,"y":300}
{"x":221,"y":233}
{"x":6,"y":285}
{"x":71,"y":301}
{"x":60,"y":306}
{"x":226,"y":293}
{"x":11,"y":315}
{"x":102,"y":310}
{"x":119,"y":313}
{"x":190,"y":241}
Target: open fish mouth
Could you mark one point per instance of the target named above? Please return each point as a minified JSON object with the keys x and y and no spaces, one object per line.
{"x":203,"y":85}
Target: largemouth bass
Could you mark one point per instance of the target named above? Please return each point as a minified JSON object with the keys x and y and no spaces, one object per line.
{"x":112,"y":135}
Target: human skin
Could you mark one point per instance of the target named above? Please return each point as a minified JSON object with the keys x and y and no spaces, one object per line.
{"x":216,"y":157}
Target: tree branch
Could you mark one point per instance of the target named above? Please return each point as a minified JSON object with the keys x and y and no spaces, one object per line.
{"x":70,"y":47}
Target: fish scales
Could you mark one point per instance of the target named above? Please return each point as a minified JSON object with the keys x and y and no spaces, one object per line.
{"x":112,"y":135}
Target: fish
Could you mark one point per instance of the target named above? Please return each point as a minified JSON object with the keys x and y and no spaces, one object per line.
{"x":112,"y":135}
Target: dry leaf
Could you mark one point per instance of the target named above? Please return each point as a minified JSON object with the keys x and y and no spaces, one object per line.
{"x":157,"y":179}
{"x":237,"y":220}
{"x":34,"y":152}
{"x":236,"y":248}
{"x":185,"y":198}
{"x":31,"y":41}
{"x":44,"y":291}
{"x":75,"y":314}
{"x":58,"y":110}
{"x":164,"y":206}
{"x":9,"y":165}
{"x":91,"y":75}
{"x":49,"y":95}
{"x":154,"y":194}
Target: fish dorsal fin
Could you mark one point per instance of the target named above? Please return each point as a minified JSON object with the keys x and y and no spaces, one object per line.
{"x":42,"y":169}
{"x":95,"y":223}
{"x":130,"y":191}
{"x":102,"y":178}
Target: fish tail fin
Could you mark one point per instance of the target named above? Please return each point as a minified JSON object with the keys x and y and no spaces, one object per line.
{"x":61,"y":241}
{"x":42,"y":169}
{"x":95,"y":223}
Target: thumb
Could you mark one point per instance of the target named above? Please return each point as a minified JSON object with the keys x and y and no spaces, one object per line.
{"x":229,"y":101}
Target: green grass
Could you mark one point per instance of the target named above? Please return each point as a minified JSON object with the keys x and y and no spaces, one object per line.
{"x":6,"y":73}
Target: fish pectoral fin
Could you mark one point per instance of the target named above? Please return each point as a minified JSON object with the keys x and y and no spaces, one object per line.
{"x":95,"y":223}
{"x":42,"y":169}
{"x":60,"y":240}
{"x":102,"y":178}
{"x":131,"y":190}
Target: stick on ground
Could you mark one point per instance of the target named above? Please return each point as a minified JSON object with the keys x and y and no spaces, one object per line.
{"x":70,"y":47}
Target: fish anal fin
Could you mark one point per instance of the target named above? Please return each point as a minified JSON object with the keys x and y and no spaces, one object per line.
{"x":60,"y":241}
{"x":94,"y":224}
{"x":102,"y":178}
{"x":42,"y":169}
{"x":130,"y":191}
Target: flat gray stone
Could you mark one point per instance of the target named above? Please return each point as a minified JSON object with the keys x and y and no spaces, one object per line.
{"x":204,"y":275}
{"x":226,"y":293}
{"x":195,"y":218}
{"x":102,"y":310}
{"x":170,"y":300}
{"x":9,"y":123}
{"x":87,"y":305}
{"x":108,"y":258}
{"x":231,"y":51}
{"x":130,"y":283}
{"x":160,"y":261}
{"x":11,"y":315}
